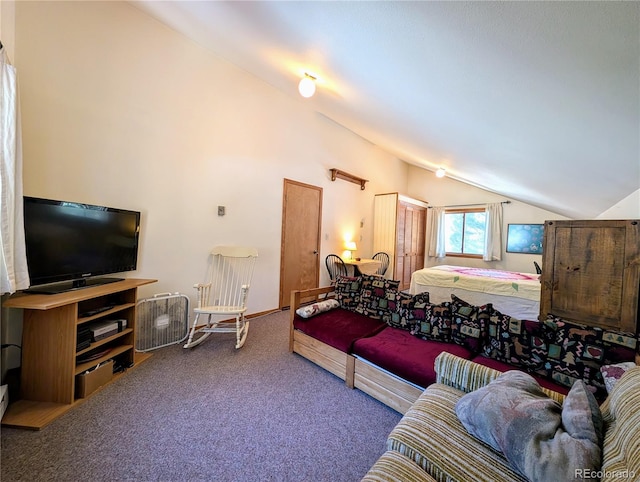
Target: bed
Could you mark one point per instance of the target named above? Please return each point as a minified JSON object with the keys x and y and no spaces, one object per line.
{"x":512,"y":293}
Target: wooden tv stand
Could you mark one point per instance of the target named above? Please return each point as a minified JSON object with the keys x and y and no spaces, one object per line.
{"x":50,"y":362}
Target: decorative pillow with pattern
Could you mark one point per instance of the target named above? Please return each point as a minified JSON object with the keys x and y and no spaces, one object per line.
{"x":348,"y":292}
{"x":417,"y":306}
{"x":379,"y":298}
{"x":400,"y":316}
{"x":435,"y":324}
{"x":469,"y":323}
{"x":412,"y":310}
{"x":517,"y":342}
{"x":612,"y":373}
{"x":314,"y":309}
{"x":576,"y":352}
{"x":369,"y":280}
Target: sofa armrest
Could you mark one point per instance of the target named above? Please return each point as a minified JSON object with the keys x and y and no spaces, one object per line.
{"x":462,"y":374}
{"x":622,"y":421}
{"x":467,"y":376}
{"x":300,"y":297}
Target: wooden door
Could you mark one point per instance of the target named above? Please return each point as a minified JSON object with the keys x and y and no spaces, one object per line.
{"x":300,"y":245}
{"x":398,"y":272}
{"x":412,"y":221}
{"x":418,"y":229}
{"x":591,"y":272}
{"x":405,"y":274}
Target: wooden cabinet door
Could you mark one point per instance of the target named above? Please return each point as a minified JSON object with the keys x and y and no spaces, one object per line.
{"x":591,"y":272}
{"x":410,"y":242}
{"x":418,"y":239}
{"x":400,"y":244}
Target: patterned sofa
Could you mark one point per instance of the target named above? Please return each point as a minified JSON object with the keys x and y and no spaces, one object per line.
{"x":420,"y":359}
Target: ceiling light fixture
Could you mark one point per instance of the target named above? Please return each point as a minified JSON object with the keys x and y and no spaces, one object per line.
{"x":307,"y":85}
{"x":440,"y":172}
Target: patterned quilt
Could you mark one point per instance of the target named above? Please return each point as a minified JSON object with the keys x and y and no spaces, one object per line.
{"x":494,"y":281}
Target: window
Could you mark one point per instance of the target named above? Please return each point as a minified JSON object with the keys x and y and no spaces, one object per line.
{"x":465,"y":232}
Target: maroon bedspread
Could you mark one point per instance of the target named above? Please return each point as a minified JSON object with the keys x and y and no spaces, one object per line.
{"x":338,"y":328}
{"x":405,"y":355}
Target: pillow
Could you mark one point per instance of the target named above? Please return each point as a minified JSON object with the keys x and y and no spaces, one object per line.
{"x":316,"y":308}
{"x":435,"y":322}
{"x":412,"y":310}
{"x":469,"y":323}
{"x":368,"y":279}
{"x":612,"y":373}
{"x":398,"y":316}
{"x":418,"y":306}
{"x":378,"y":297}
{"x":576,"y":352}
{"x":517,"y":342}
{"x":539,"y":438}
{"x":348,"y":291}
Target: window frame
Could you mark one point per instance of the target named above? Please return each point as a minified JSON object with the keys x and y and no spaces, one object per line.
{"x":464,"y":211}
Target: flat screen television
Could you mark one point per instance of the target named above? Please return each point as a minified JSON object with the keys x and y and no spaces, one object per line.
{"x":69,"y":244}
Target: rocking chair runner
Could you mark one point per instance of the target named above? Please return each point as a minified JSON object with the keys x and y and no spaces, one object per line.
{"x":224,"y":295}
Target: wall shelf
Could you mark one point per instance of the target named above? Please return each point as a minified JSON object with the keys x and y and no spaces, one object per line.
{"x":338,"y":174}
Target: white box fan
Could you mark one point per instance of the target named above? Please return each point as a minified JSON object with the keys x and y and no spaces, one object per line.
{"x":161,"y":320}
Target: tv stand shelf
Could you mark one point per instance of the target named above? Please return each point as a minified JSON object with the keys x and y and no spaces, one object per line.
{"x":81,"y":367}
{"x":50,"y":362}
{"x":115,"y":309}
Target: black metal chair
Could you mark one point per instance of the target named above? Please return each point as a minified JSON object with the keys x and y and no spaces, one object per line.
{"x":538,"y":268}
{"x":384,"y":259}
{"x":335,"y":266}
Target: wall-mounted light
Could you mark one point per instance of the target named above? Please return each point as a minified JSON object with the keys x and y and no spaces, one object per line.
{"x":441,"y":172}
{"x":307,"y":85}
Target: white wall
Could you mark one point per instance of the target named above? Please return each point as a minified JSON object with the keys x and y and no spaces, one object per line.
{"x":628,"y":208}
{"x":445,"y":191}
{"x":122,"y":111}
{"x":7,"y":26}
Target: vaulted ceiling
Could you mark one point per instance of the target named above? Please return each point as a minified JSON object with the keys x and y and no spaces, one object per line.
{"x":537,"y":101}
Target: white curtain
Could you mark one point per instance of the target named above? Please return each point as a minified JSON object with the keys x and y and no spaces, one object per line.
{"x":436,"y":248}
{"x":493,"y":233}
{"x":13,"y":261}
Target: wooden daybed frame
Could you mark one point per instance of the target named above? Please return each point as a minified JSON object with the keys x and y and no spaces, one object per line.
{"x":390,"y":389}
{"x":382,"y":385}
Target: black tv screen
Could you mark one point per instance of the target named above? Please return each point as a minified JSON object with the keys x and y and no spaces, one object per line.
{"x":70,"y":241}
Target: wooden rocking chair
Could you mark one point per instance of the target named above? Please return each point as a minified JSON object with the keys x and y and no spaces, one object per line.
{"x":224,"y":295}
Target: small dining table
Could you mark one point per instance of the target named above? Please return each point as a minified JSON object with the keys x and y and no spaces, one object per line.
{"x":363,"y":265}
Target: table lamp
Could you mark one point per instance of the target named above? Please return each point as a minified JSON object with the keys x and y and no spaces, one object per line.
{"x":351,"y":247}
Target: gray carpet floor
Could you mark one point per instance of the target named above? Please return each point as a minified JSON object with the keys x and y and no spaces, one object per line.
{"x":212,"y":413}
